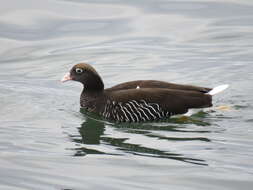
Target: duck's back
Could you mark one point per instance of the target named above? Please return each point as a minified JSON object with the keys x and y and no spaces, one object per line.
{"x":157,"y":84}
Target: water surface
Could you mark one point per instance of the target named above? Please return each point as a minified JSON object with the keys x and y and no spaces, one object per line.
{"x":47,"y":143}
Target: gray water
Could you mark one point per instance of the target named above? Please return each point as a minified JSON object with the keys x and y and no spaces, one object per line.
{"x":47,"y":143}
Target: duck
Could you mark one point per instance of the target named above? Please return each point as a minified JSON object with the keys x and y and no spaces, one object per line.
{"x":139,"y":100}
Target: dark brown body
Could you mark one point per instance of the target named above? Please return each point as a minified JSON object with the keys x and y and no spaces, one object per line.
{"x":172,"y":98}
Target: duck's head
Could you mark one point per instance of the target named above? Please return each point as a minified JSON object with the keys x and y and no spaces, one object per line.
{"x":85,"y":74}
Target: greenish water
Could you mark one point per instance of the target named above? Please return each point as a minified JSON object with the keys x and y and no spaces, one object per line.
{"x":46,"y":142}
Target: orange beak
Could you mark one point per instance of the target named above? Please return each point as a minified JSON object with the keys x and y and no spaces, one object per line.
{"x":66,"y":77}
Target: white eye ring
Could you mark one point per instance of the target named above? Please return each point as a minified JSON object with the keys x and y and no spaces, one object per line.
{"x":79,"y":70}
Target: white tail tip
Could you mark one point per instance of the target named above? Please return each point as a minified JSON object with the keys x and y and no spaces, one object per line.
{"x":218,"y":89}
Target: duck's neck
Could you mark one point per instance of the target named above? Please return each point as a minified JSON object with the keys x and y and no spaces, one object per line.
{"x":93,"y":88}
{"x":93,"y":83}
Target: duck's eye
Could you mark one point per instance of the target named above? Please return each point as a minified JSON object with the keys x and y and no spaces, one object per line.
{"x":79,"y":70}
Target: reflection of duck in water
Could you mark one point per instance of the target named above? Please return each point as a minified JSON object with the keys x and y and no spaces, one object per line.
{"x":92,"y":133}
{"x":136,"y":101}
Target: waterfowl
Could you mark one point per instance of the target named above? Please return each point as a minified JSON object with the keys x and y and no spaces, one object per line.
{"x":137,"y":101}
